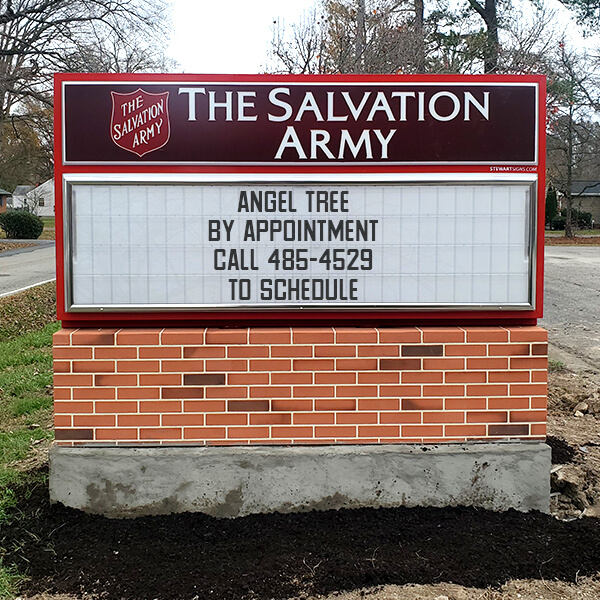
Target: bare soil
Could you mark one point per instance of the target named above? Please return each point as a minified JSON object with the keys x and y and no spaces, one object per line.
{"x":574,"y":241}
{"x":454,"y":553}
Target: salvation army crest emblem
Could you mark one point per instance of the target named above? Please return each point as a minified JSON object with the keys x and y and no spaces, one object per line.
{"x":140,"y":121}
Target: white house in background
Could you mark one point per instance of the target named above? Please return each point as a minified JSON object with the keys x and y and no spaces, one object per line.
{"x":39,"y":200}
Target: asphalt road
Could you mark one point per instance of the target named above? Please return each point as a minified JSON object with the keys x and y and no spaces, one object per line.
{"x":572,"y":304}
{"x":26,"y":267}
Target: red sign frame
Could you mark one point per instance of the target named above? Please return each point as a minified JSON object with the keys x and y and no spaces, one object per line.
{"x":146,"y":165}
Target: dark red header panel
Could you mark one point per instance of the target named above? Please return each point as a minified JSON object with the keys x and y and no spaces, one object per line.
{"x":397,"y":121}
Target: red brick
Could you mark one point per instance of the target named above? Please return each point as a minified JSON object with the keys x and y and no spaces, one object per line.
{"x":422,"y":377}
{"x":138,"y":393}
{"x":378,"y":404}
{"x":271,"y":419}
{"x":292,"y":432}
{"x":527,"y":416}
{"x":62,"y":337}
{"x":227,"y":419}
{"x":179,"y":393}
{"x":443,"y":335}
{"x":379,"y":431}
{"x":378,"y":351}
{"x":487,"y":417}
{"x":443,"y":364}
{"x":248,"y":379}
{"x":355,"y":391}
{"x":421,"y":431}
{"x":63,"y":421}
{"x":486,"y":334}
{"x":509,"y":350}
{"x":71,"y":407}
{"x":248,"y":405}
{"x":489,"y":389}
{"x":529,"y":363}
{"x":356,"y":335}
{"x":539,"y":376}
{"x":466,"y":350}
{"x":74,"y":434}
{"x":404,"y":335}
{"x":164,"y":433}
{"x":62,"y":393}
{"x":422,"y":404}
{"x":88,"y":393}
{"x":182,"y":337}
{"x":162,"y":379}
{"x":115,"y":380}
{"x":400,"y":418}
{"x":538,"y":429}
{"x":411,"y":391}
{"x":93,"y":366}
{"x":195,"y":406}
{"x":247,"y":432}
{"x":62,"y":366}
{"x":528,"y":334}
{"x":528,"y":389}
{"x":271,"y":392}
{"x":160,"y":406}
{"x":539,"y":349}
{"x":313,"y":391}
{"x":487,"y":363}
{"x":356,"y":418}
{"x":291,"y":351}
{"x":116,"y":434}
{"x":138,"y":337}
{"x":226,"y":337}
{"x":378,"y":377}
{"x":114,"y":353}
{"x":270,"y":336}
{"x":508,"y":430}
{"x":246,"y":351}
{"x":201,"y":352}
{"x":444,"y":390}
{"x":116,"y":407}
{"x":339,"y":404}
{"x":320,"y":418}
{"x":138,"y":366}
{"x":291,"y":405}
{"x":203,"y":433}
{"x":400,"y":364}
{"x":337,"y":377}
{"x":334,"y":351}
{"x":160,"y":352}
{"x":70,"y":380}
{"x":539,"y":402}
{"x":93,"y":337}
{"x":270,"y":365}
{"x":306,"y":335}
{"x":333,"y":431}
{"x":423,"y":350}
{"x":465,"y":403}
{"x":443,"y":417}
{"x":185,"y":420}
{"x":71,"y":353}
{"x":94,"y":420}
{"x":356,"y":364}
{"x":508,"y":403}
{"x":465,"y":430}
{"x":291,"y":378}
{"x":508,"y":376}
{"x":314,"y":364}
{"x":466,"y":377}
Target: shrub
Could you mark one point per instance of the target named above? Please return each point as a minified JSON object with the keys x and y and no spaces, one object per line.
{"x":558,"y":223}
{"x":21,"y":225}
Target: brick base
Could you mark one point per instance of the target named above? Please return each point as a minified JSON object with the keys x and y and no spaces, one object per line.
{"x":299,"y":385}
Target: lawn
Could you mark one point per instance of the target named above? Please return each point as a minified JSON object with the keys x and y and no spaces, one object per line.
{"x":27,"y":322}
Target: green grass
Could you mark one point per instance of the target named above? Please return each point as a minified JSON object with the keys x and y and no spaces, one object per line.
{"x":27,"y":322}
{"x":556,"y":366}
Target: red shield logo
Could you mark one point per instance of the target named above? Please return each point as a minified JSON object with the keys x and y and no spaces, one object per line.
{"x":140,"y":121}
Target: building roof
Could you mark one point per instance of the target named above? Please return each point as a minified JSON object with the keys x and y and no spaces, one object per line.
{"x":21,"y":190}
{"x":586,"y":188}
{"x":4,"y":193}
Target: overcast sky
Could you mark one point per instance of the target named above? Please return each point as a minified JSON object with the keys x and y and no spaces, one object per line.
{"x":227,"y":36}
{"x":233,"y":36}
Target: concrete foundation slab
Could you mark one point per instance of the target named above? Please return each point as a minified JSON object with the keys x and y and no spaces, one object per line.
{"x":237,"y":481}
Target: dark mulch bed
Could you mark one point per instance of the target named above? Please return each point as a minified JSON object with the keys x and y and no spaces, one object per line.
{"x":562,"y":452}
{"x":276,"y":556}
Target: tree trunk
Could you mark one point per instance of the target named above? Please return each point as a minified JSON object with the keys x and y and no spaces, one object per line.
{"x":419,"y":37}
{"x":360,"y":37}
{"x":569,"y":186}
{"x":493,"y":44}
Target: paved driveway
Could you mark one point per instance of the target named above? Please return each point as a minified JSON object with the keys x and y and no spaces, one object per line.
{"x":572,"y":304}
{"x":26,"y":267}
